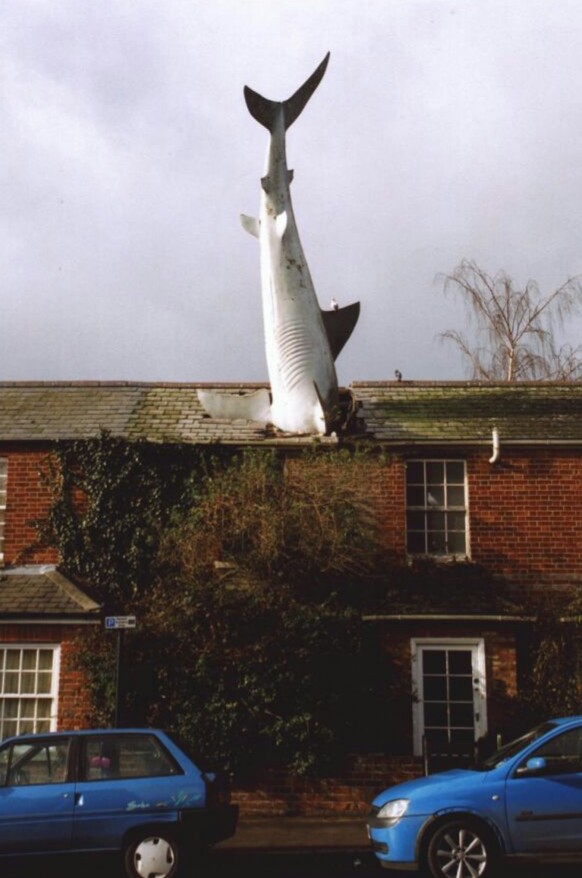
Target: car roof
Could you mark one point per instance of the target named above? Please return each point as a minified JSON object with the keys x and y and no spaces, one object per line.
{"x":565,"y":720}
{"x":81,"y":733}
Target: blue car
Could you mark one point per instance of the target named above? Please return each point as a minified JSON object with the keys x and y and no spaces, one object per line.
{"x":523,"y":802}
{"x":131,"y":791}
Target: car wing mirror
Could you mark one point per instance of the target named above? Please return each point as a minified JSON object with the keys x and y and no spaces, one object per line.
{"x":535,"y":765}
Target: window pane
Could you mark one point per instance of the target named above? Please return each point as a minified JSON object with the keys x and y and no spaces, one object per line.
{"x":435,"y":714}
{"x":435,"y":689}
{"x":415,"y":472}
{"x":434,"y":661}
{"x":456,"y":521}
{"x":43,"y":708}
{"x":435,"y":496}
{"x":416,"y":544}
{"x":43,"y":684}
{"x":415,"y":520}
{"x":435,"y":521}
{"x":457,"y":544}
{"x":29,"y":659}
{"x":11,"y":708}
{"x":9,"y":728}
{"x":435,"y":472}
{"x":456,"y":472}
{"x":437,"y":544}
{"x":455,"y":496}
{"x":461,"y":688}
{"x":11,"y":683}
{"x":27,"y":684}
{"x":462,"y":715}
{"x":45,"y":659}
{"x":415,"y":495}
{"x":460,"y":661}
{"x":13,"y":659}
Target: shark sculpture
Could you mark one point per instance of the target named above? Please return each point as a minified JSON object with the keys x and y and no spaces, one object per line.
{"x":302,"y":341}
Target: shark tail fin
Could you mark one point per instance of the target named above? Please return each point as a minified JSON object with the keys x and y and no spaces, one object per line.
{"x":265,"y":111}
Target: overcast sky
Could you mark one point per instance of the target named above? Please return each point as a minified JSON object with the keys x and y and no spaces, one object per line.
{"x":441,"y":131}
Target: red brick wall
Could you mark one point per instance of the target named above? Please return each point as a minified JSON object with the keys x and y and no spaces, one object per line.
{"x":526,"y":514}
{"x":347,"y":793}
{"x":74,"y":704}
{"x":27,"y":498}
{"x":525,"y":511}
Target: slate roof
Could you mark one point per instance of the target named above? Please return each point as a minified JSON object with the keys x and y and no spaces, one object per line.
{"x":389,"y":412}
{"x":466,"y":412}
{"x":43,"y":593}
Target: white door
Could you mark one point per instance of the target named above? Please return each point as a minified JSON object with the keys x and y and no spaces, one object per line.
{"x":449,"y":707}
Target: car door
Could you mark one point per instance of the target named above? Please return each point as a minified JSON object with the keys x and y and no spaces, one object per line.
{"x":36,"y":796}
{"x":125,"y":780}
{"x":544,"y":804}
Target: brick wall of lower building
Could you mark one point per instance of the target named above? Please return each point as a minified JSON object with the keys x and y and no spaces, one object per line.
{"x":347,"y":793}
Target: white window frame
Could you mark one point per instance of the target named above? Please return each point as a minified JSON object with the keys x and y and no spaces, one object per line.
{"x":22,"y":697}
{"x":417,"y":644}
{"x":3,"y":498}
{"x":426,"y":507}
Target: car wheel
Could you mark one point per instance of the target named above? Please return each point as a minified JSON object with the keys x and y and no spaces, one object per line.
{"x":461,"y":849}
{"x":152,"y":855}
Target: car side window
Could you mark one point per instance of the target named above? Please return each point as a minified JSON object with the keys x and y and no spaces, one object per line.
{"x":25,"y":764}
{"x":562,"y":754}
{"x":126,"y":756}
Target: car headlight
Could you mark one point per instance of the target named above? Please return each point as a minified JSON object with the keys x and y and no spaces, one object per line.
{"x":393,"y":810}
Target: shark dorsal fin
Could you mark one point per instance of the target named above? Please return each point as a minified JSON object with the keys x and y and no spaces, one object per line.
{"x":339,"y":326}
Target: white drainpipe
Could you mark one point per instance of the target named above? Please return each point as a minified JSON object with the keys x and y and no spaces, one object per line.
{"x":496,"y":450}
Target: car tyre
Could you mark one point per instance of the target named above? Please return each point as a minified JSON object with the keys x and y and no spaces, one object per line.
{"x":152,"y":854}
{"x":461,"y":848}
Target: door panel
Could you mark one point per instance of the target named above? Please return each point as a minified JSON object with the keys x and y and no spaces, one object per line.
{"x":36,"y":800}
{"x":545,"y":811}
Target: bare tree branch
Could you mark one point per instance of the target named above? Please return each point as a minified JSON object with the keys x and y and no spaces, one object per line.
{"x":514,"y":329}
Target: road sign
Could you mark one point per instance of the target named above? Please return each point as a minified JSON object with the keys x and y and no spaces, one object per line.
{"x":117,"y":622}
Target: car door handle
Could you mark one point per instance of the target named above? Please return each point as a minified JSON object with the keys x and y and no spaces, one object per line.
{"x":79,"y":800}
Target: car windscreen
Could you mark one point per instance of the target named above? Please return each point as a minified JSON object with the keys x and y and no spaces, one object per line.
{"x":508,"y":750}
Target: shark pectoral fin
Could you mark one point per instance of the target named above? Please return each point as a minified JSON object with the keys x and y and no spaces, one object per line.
{"x":250,"y":224}
{"x":266,"y":184}
{"x":281,"y":224}
{"x":339,"y":326}
{"x":237,"y":407}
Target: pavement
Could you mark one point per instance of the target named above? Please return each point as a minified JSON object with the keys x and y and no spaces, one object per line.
{"x":299,"y":834}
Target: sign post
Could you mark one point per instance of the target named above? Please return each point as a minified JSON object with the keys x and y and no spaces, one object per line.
{"x":119,"y":624}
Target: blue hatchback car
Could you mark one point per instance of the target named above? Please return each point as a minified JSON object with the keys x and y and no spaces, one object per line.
{"x":525,"y":801}
{"x":132,"y":791}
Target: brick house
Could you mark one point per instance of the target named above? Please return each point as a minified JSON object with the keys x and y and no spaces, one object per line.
{"x":484,"y":479}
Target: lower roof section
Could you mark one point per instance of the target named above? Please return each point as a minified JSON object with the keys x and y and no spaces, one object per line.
{"x":41,"y":593}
